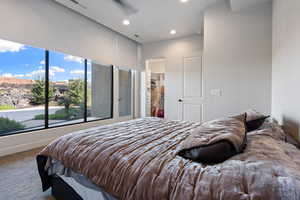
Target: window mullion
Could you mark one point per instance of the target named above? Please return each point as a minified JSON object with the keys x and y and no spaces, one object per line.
{"x":85,"y":90}
{"x":112,"y":92}
{"x":46,"y":89}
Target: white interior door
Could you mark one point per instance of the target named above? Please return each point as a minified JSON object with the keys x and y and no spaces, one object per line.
{"x":191,"y":103}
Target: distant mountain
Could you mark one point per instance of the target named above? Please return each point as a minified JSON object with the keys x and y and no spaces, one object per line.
{"x":15,"y":81}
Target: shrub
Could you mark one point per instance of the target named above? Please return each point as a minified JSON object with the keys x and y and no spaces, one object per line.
{"x":6,"y":107}
{"x":63,"y":114}
{"x":7,"y":125}
{"x":39,"y":117}
{"x":74,"y":95}
{"x":38,"y":92}
{"x":60,"y":115}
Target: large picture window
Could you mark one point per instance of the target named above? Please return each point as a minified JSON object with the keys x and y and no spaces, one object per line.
{"x":22,"y":87}
{"x":42,"y":89}
{"x":66,"y":89}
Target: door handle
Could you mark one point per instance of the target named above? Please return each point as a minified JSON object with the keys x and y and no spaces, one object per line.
{"x":180,"y":100}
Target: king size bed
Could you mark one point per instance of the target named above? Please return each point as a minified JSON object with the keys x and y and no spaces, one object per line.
{"x":139,"y":160}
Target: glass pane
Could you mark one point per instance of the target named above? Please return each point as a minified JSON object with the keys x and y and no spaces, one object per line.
{"x":66,"y":89}
{"x":99,"y":98}
{"x":124,"y":93}
{"x":22,"y":87}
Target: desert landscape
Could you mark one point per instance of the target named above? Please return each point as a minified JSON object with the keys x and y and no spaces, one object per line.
{"x":22,"y":103}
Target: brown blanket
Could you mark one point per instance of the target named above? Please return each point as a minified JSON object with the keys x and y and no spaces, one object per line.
{"x":231,"y":129}
{"x":138,"y":160}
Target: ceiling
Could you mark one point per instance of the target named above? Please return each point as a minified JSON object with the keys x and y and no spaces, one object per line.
{"x":239,"y":5}
{"x":154,"y":20}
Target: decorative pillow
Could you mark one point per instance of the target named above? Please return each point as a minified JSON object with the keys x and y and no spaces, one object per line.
{"x":270,"y":129}
{"x":254,"y":120}
{"x":215,"y":141}
{"x":214,"y":153}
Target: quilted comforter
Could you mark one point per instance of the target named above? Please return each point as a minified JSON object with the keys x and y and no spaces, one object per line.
{"x":137,"y":160}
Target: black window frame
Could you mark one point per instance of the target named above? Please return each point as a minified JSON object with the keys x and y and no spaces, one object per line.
{"x":46,"y":111}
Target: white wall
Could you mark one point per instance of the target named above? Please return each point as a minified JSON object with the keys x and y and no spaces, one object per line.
{"x":286,"y":64}
{"x":237,"y":59}
{"x":173,"y":52}
{"x":46,"y":24}
{"x":157,"y":66}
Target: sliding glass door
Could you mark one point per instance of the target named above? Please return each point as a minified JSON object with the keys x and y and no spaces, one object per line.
{"x":125,"y":93}
{"x":99,"y":91}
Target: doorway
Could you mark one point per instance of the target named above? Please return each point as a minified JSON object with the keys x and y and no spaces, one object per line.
{"x":155,"y":72}
{"x":192,"y":101}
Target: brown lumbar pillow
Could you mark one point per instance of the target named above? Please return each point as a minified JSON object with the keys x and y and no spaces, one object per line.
{"x":214,"y":153}
{"x":215,"y":141}
{"x":254,"y":120}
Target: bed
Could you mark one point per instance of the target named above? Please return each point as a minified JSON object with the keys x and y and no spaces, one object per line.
{"x":139,"y":159}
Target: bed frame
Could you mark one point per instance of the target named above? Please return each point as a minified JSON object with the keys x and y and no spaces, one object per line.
{"x":62,"y":190}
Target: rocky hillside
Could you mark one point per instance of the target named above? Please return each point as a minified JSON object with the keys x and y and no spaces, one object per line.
{"x":15,"y":81}
{"x":18,"y":98}
{"x":16,"y":92}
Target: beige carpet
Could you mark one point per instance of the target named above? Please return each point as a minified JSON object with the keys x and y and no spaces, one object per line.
{"x":19,"y":178}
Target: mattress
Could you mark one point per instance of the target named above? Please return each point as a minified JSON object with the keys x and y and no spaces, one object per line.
{"x":84,"y":192}
{"x":86,"y":189}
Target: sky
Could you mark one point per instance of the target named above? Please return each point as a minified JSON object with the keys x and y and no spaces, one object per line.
{"x":25,"y":62}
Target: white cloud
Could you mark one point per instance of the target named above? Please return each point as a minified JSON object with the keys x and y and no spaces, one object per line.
{"x":40,"y":72}
{"x":55,"y":69}
{"x":7,"y":46}
{"x":77,"y":71}
{"x":74,"y":59}
{"x":42,"y":62}
{"x":7,"y":75}
{"x":10,"y":75}
{"x":36,"y":73}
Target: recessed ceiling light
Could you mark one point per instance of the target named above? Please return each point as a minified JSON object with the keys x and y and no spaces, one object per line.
{"x":184,"y":1}
{"x":126,"y":22}
{"x":173,"y":32}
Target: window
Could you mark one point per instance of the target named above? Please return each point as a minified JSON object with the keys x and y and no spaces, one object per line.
{"x":41,"y":89}
{"x":22,"y":87}
{"x":66,"y":89}
{"x":99,"y":91}
{"x":125,"y":93}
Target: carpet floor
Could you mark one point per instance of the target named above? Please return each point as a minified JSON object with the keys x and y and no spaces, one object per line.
{"x":19,"y":179}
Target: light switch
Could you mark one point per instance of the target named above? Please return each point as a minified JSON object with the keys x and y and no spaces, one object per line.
{"x":216,"y":92}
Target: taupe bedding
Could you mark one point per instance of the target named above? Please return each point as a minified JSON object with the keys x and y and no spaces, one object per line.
{"x":138,"y":160}
{"x":231,"y":129}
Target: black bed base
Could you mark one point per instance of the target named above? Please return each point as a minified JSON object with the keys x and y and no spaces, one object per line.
{"x":62,"y":191}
